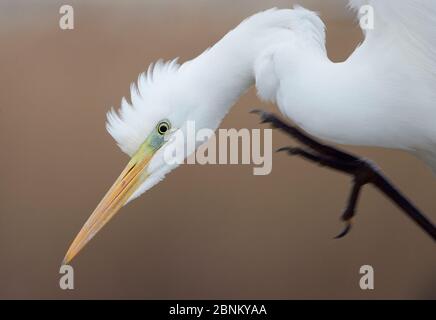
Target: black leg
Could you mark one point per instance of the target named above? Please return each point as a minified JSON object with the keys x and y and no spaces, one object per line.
{"x":303,"y":138}
{"x":325,"y":161}
{"x":350,"y":209}
{"x":362,"y":171}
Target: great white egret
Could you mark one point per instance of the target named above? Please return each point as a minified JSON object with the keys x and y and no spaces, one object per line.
{"x":170,"y":95}
{"x":383,"y":95}
{"x":201,"y":90}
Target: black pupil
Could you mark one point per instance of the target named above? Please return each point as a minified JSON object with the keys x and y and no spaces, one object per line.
{"x":163,"y":128}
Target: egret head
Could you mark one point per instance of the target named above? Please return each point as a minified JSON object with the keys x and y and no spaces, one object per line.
{"x":169,"y":96}
{"x":160,"y":107}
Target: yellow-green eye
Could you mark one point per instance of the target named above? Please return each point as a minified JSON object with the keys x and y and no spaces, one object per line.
{"x":163,"y":127}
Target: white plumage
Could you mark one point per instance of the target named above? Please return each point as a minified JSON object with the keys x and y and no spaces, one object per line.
{"x":169,"y":96}
{"x":150,"y":98}
{"x":383,"y":95}
{"x":201,"y":90}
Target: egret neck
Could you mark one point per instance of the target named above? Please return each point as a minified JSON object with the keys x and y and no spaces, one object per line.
{"x":168,"y":96}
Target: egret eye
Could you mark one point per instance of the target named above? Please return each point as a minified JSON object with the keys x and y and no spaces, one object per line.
{"x":163,"y":127}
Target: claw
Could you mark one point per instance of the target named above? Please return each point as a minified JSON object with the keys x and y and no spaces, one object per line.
{"x":291,"y":151}
{"x":284,"y":149}
{"x":256,"y":111}
{"x":345,"y":231}
{"x":260,"y":113}
{"x":263,"y":115}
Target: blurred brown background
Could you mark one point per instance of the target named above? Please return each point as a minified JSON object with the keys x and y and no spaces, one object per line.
{"x":205,"y":231}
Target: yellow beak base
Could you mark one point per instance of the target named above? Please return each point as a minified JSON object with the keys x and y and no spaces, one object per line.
{"x":120,"y":192}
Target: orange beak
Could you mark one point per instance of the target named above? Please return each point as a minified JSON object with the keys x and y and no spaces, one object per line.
{"x":127,"y":183}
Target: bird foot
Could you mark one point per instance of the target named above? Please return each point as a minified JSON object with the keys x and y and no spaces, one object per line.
{"x":362,"y":171}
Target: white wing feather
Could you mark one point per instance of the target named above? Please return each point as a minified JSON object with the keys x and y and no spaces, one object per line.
{"x":402,"y":47}
{"x":408,"y":26}
{"x":383,"y":95}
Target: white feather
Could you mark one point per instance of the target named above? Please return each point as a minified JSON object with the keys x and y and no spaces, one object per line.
{"x":133,"y":122}
{"x":383,"y":95}
{"x":226,"y":68}
{"x":201,"y":90}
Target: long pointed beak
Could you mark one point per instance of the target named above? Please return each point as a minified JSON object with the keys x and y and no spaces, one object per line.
{"x":129,"y":180}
